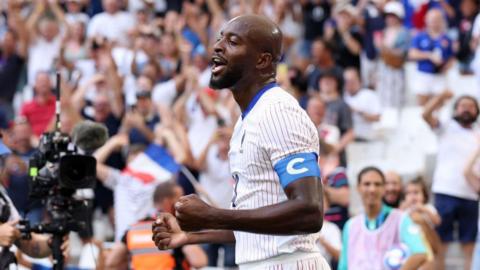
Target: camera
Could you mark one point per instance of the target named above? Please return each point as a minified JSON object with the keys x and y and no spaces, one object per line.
{"x":57,"y":171}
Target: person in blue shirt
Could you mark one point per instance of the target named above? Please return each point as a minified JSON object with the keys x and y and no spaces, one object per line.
{"x":432,"y":50}
{"x":382,"y":237}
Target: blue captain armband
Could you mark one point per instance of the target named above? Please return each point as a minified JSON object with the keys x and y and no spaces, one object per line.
{"x":297,"y":166}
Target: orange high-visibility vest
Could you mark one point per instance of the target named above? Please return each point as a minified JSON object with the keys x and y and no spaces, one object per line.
{"x":144,"y":255}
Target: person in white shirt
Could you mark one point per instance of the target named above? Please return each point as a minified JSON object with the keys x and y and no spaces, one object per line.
{"x":277,"y":202}
{"x":45,"y":37}
{"x":364,"y":104}
{"x":455,"y":197}
{"x":113,"y":23}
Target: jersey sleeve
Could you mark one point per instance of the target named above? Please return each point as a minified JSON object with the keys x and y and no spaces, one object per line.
{"x":411,"y":235}
{"x":291,"y":141}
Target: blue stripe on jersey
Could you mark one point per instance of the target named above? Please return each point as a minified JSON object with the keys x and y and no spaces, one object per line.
{"x":297,"y":166}
{"x":257,"y":97}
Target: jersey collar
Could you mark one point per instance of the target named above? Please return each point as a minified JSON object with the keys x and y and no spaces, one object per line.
{"x":257,"y":97}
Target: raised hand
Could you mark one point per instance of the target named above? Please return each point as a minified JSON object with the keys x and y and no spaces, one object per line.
{"x":167,"y":234}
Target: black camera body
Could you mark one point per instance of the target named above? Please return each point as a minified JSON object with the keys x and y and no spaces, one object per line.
{"x":56,"y":172}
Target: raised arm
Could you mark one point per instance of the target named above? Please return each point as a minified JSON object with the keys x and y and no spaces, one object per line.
{"x":20,"y":27}
{"x":32,"y":22}
{"x":433,"y":105}
{"x":104,"y":152}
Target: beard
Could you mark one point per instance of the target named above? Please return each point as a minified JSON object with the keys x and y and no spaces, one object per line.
{"x":227,"y":79}
{"x":465,"y":118}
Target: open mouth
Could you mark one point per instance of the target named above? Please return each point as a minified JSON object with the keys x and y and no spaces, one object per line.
{"x":218,"y":65}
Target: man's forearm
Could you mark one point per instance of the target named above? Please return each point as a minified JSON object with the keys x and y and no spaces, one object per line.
{"x":286,"y":218}
{"x":211,"y":237}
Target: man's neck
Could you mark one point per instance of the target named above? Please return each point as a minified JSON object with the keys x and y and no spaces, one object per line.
{"x":372,"y":211}
{"x":245,"y":93}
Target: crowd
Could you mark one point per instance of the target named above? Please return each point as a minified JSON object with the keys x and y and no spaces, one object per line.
{"x":142,"y":69}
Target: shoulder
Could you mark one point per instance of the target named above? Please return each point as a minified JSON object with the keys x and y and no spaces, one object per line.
{"x":278,"y":102}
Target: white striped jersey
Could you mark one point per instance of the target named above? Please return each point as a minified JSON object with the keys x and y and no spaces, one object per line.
{"x":276,"y":127}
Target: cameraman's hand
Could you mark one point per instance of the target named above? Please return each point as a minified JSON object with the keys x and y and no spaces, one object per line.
{"x":9,"y":233}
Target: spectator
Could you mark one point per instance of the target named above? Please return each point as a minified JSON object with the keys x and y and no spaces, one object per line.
{"x":133,"y":194}
{"x":142,"y":252}
{"x":140,"y":122}
{"x":316,"y":107}
{"x":364,"y":104}
{"x":74,"y":12}
{"x":393,"y":189}
{"x":373,"y":22}
{"x":465,"y":54}
{"x":40,"y":111}
{"x":336,"y":187}
{"x":315,"y":15}
{"x":75,"y":46}
{"x":338,"y":113}
{"x":392,"y":44}
{"x":432,"y":50}
{"x":216,"y":180}
{"x":16,"y":178}
{"x":322,"y":60}
{"x":379,"y":230}
{"x":112,"y":24}
{"x":45,"y":36}
{"x":345,"y":36}
{"x":455,"y":197}
{"x":425,"y":215}
{"x":13,"y":52}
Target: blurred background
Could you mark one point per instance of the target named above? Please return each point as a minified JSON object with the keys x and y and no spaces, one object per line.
{"x":371,"y":74}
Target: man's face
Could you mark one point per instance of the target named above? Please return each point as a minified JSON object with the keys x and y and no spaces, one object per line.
{"x":328,"y":88}
{"x":393,"y":188}
{"x":466,"y":111}
{"x":352,"y":82}
{"x":316,"y":110}
{"x":318,"y":51}
{"x":233,"y":56}
{"x":110,"y":6}
{"x":43,"y":85}
{"x":371,"y":189}
{"x":21,"y":134}
{"x":435,"y":21}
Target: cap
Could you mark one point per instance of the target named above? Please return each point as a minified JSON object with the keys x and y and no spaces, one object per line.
{"x":4,"y":150}
{"x":395,"y":8}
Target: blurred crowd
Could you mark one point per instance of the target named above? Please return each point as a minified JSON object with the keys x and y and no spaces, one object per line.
{"x":142,"y":68}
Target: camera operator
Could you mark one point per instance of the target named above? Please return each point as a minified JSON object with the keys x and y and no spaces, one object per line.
{"x":38,"y":246}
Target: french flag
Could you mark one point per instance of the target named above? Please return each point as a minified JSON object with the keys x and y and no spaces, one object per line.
{"x":155,"y":164}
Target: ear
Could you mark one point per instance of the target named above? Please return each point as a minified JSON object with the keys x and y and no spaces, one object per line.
{"x":264,"y":61}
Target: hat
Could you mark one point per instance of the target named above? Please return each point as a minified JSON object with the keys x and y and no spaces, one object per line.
{"x":345,"y":7}
{"x":4,"y":150}
{"x":395,"y":8}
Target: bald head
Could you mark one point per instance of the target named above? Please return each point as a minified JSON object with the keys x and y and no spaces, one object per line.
{"x":262,"y":33}
{"x":246,"y":53}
